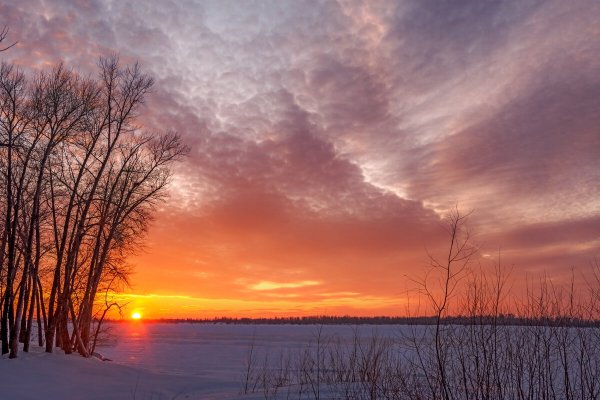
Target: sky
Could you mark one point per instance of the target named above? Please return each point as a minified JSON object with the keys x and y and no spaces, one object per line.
{"x":329,"y":139}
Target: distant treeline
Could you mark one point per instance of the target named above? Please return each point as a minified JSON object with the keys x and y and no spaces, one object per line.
{"x":508,"y":319}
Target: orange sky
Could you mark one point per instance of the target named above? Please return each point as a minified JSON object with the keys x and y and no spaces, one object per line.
{"x":327,"y":142}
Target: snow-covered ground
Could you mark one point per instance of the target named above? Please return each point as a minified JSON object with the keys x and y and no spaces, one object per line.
{"x":207,"y":361}
{"x":160,"y":361}
{"x":216,"y":351}
{"x":38,"y":375}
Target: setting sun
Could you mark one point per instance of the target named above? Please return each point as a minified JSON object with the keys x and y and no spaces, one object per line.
{"x":136,"y":315}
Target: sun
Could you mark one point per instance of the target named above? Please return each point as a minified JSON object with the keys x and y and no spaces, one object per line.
{"x":136,"y":315}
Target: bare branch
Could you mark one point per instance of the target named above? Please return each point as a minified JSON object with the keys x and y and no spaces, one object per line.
{"x":3,"y":35}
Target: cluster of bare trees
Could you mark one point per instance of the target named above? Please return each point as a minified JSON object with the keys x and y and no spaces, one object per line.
{"x":553,"y":352}
{"x":481,"y":361}
{"x":78,"y":185}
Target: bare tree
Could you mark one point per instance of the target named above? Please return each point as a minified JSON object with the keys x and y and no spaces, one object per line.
{"x":80,"y":183}
{"x":439,"y":286}
{"x":14,"y":121}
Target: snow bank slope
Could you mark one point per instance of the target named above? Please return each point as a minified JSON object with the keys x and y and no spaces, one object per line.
{"x":38,"y":375}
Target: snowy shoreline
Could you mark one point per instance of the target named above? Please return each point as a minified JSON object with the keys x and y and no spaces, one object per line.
{"x":39,"y":375}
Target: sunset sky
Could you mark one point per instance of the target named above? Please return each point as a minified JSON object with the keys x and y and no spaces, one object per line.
{"x":329,"y":137}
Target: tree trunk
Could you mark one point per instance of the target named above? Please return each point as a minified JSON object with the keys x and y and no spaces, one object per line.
{"x":15,"y":327}
{"x":23,"y":328}
{"x":39,"y":323}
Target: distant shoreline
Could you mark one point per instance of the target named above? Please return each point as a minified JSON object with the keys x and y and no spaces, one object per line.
{"x":382,"y":320}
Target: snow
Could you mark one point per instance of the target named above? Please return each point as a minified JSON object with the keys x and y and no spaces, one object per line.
{"x":155,"y":361}
{"x":217,"y":351}
{"x":38,"y":375}
{"x":212,"y":361}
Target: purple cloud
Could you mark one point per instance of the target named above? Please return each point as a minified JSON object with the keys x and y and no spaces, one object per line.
{"x":335,"y":134}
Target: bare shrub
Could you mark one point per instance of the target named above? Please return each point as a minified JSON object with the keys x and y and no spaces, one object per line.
{"x":492,"y":347}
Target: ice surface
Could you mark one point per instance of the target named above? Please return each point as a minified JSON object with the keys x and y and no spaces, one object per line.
{"x":161,"y":361}
{"x":214,"y":350}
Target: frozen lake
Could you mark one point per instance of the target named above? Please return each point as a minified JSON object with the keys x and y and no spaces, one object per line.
{"x":365,"y":361}
{"x":220,"y":353}
{"x":159,"y":361}
{"x":212,"y":361}
{"x":217,"y":351}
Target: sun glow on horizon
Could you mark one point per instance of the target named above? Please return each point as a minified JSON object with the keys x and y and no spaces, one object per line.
{"x":171,"y":306}
{"x":136,"y":315}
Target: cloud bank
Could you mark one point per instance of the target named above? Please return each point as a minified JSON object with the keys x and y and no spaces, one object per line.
{"x":329,"y":137}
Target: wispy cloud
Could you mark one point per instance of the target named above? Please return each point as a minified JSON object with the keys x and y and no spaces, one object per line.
{"x":268,"y":285}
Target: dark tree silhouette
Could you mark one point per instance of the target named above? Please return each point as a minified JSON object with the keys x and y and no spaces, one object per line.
{"x":80,"y":183}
